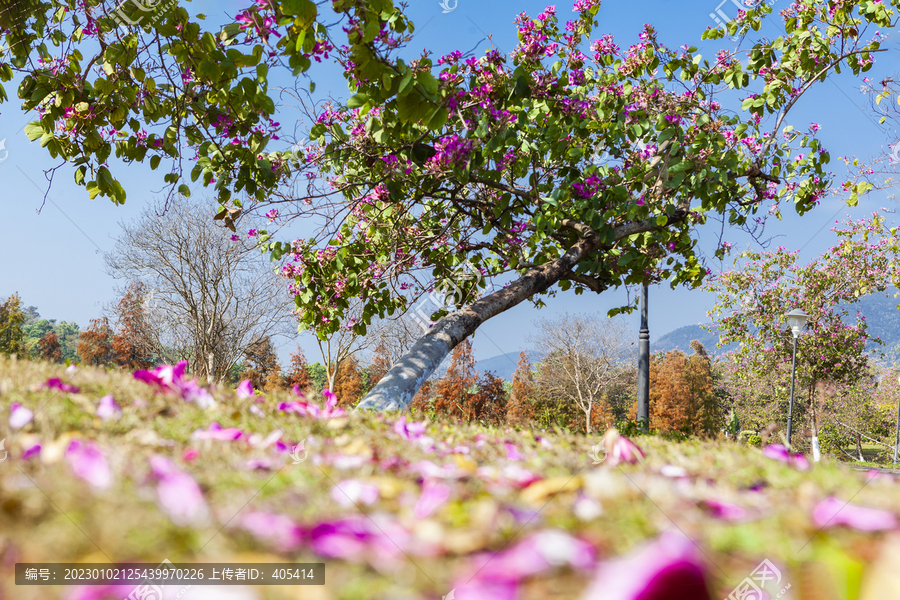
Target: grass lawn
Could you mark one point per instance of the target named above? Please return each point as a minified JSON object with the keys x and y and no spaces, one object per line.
{"x":395,"y":510}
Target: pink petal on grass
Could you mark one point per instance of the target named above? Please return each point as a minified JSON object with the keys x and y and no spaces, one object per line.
{"x":725,"y":510}
{"x":215,"y":432}
{"x":58,"y":384}
{"x":352,"y":492}
{"x":666,"y":569}
{"x":19,"y":416}
{"x":434,"y":495}
{"x":278,"y":530}
{"x":620,"y":449}
{"x":30,"y":452}
{"x":408,"y":430}
{"x":245,"y":390}
{"x":179,"y":495}
{"x":511,"y":452}
{"x":497,"y":575}
{"x":832,"y":512}
{"x":108,"y":408}
{"x":89,"y":463}
{"x":782,"y":454}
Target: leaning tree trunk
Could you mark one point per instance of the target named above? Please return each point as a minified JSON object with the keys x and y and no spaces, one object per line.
{"x":397,"y":388}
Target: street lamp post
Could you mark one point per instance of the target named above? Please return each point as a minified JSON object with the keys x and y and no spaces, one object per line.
{"x":796,"y":320}
{"x":643,"y":412}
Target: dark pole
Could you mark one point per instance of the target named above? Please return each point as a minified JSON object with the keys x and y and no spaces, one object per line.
{"x":644,"y":366}
{"x":791,"y":405}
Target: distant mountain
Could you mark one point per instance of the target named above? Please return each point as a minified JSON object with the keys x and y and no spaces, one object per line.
{"x":681,"y":338}
{"x":502,"y":366}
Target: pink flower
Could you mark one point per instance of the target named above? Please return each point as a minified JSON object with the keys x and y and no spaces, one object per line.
{"x":410,"y":430}
{"x":511,"y":452}
{"x":279,"y":530}
{"x":170,"y":378}
{"x":308,"y":409}
{"x":245,"y":390}
{"x":832,"y":512}
{"x":215,"y":432}
{"x":108,"y":408}
{"x":32,"y":451}
{"x":780,"y":453}
{"x":620,"y":449}
{"x":434,"y":495}
{"x":19,"y":416}
{"x":352,"y":492}
{"x":189,"y":454}
{"x":179,"y":495}
{"x":725,"y":510}
{"x":89,"y":463}
{"x":58,"y":384}
{"x":669,"y":567}
{"x":497,"y":575}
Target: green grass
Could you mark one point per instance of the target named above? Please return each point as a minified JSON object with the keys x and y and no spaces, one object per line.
{"x":47,"y":514}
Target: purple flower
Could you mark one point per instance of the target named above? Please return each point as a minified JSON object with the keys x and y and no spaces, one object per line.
{"x":245,"y":390}
{"x":215,"y":432}
{"x":170,"y":378}
{"x":89,"y":463}
{"x":725,"y":510}
{"x":58,"y":384}
{"x":780,"y":453}
{"x":179,"y":495}
{"x":410,"y":430}
{"x":620,"y":449}
{"x":511,"y":452}
{"x":832,"y":512}
{"x":279,"y":530}
{"x":32,"y":451}
{"x":434,"y":495}
{"x":308,"y":409}
{"x":108,"y":408}
{"x":669,"y":567}
{"x":352,"y":492}
{"x":19,"y":416}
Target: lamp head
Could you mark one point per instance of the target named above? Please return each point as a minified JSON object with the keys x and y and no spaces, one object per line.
{"x":797,"y":320}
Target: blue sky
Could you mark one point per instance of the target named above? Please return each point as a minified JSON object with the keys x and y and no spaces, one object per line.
{"x":54,"y":258}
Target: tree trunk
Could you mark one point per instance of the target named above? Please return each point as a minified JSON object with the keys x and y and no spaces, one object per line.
{"x":587,"y":425}
{"x":397,"y":388}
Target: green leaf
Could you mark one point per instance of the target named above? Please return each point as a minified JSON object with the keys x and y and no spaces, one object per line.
{"x":357,"y":100}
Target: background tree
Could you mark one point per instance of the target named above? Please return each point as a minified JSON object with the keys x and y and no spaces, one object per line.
{"x":213,"y":293}
{"x":49,"y":348}
{"x":585,"y":354}
{"x":348,"y":385}
{"x":753,"y":300}
{"x":133,"y":341}
{"x":453,"y":389}
{"x":261,"y":364}
{"x":12,"y":336}
{"x":681,"y":393}
{"x":520,"y":409}
{"x":299,"y":373}
{"x":95,"y":343}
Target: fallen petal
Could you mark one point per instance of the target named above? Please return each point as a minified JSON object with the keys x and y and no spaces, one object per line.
{"x":434,"y":495}
{"x":352,"y":492}
{"x":19,"y":416}
{"x":89,"y":463}
{"x":108,"y":408}
{"x":832,"y":512}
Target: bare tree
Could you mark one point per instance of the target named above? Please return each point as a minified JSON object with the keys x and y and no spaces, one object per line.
{"x":584,"y":358}
{"x":211,"y":293}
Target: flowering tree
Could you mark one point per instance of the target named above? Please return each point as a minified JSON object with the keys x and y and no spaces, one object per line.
{"x":753,"y":300}
{"x":491,"y":160}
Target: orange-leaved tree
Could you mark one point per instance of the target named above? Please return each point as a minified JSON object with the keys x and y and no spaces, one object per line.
{"x":95,"y":343}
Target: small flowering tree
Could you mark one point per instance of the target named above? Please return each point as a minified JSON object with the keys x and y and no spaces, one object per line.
{"x":751,"y":311}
